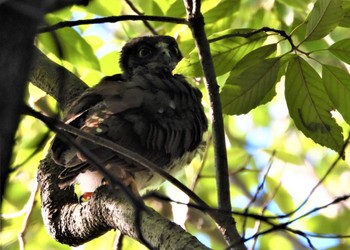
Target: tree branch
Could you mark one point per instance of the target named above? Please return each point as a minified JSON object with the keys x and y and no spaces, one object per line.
{"x":74,"y":223}
{"x":226,"y":223}
{"x":17,"y":33}
{"x":50,"y":77}
{"x":113,"y":19}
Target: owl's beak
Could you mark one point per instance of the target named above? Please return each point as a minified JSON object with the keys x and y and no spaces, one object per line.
{"x":166,"y":55}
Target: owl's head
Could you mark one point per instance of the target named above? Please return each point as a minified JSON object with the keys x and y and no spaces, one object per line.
{"x":150,"y":54}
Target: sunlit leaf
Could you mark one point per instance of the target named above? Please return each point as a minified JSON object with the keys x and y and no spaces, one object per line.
{"x":309,"y":105}
{"x":341,"y":49}
{"x":222,"y":10}
{"x":74,"y":48}
{"x":246,"y":91}
{"x":323,"y":18}
{"x":274,"y":187}
{"x":225,"y":52}
{"x":286,"y":156}
{"x":298,"y":4}
{"x":345,"y":22}
{"x":176,"y":9}
{"x":102,"y":7}
{"x":253,"y":57}
{"x":337,"y":84}
{"x":109,"y":63}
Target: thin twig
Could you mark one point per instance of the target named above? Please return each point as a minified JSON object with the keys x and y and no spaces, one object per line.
{"x":118,"y":241}
{"x":112,"y":19}
{"x":145,"y":22}
{"x":28,"y":210}
{"x":254,"y":32}
{"x":330,"y":169}
{"x":198,"y":174}
{"x":259,"y":188}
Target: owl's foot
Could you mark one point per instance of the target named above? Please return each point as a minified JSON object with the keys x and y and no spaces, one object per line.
{"x":85,"y":196}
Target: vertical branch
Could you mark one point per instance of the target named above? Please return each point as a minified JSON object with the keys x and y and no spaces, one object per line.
{"x":17,"y":31}
{"x":226,"y":223}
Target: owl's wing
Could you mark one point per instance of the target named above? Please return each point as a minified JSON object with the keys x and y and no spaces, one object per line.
{"x":92,"y":113}
{"x":160,"y":118}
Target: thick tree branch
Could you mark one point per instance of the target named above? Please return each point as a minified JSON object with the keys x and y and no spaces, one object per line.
{"x":17,"y":33}
{"x":74,"y":223}
{"x":225,"y":221}
{"x":50,"y":77}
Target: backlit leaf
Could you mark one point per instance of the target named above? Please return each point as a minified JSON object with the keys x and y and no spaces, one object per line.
{"x":337,"y":84}
{"x":323,"y":18}
{"x":246,"y":91}
{"x":341,"y":49}
{"x":309,"y":105}
{"x":225,"y":52}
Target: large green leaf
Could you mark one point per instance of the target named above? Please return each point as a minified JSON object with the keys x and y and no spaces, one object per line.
{"x":309,"y":105}
{"x":297,"y":4}
{"x":252,"y":58}
{"x":345,"y":22}
{"x":109,"y":63}
{"x":101,"y":7}
{"x":248,"y":90}
{"x":223,"y":9}
{"x":75,"y":49}
{"x":341,"y":49}
{"x":323,"y":18}
{"x":337,"y":84}
{"x":225,"y":53}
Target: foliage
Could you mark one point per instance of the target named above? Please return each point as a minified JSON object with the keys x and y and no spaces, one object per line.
{"x":277,"y":89}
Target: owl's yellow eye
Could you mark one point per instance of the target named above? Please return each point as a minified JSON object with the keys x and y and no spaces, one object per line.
{"x":143,"y":52}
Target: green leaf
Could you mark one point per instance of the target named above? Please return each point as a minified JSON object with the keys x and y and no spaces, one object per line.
{"x":225,"y":53}
{"x":109,"y":63}
{"x":286,"y":156}
{"x":337,"y":84}
{"x":274,"y":187}
{"x":252,"y":58}
{"x":341,"y":49}
{"x":345,"y":22}
{"x":297,"y":4}
{"x":309,"y":105}
{"x":246,"y":91}
{"x":323,"y":18}
{"x":101,"y":7}
{"x":75,"y":49}
{"x":223,"y":9}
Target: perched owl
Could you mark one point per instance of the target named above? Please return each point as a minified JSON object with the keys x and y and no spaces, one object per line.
{"x":146,"y":109}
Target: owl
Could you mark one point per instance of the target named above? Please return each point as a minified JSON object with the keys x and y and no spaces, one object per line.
{"x":146,"y":109}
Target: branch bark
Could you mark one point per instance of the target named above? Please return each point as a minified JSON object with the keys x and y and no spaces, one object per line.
{"x":74,"y":223}
{"x":225,"y":221}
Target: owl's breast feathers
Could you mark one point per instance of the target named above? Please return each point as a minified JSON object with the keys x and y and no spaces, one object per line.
{"x":158,"y":116}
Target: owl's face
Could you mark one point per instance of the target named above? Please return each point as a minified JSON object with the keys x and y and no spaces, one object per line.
{"x":151,"y":54}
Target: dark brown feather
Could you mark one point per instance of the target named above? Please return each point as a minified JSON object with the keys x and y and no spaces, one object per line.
{"x":153,"y":113}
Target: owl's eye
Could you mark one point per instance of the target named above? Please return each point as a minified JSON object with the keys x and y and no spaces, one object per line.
{"x":143,"y":52}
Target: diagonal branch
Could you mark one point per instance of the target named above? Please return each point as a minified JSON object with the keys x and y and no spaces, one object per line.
{"x":113,"y":19}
